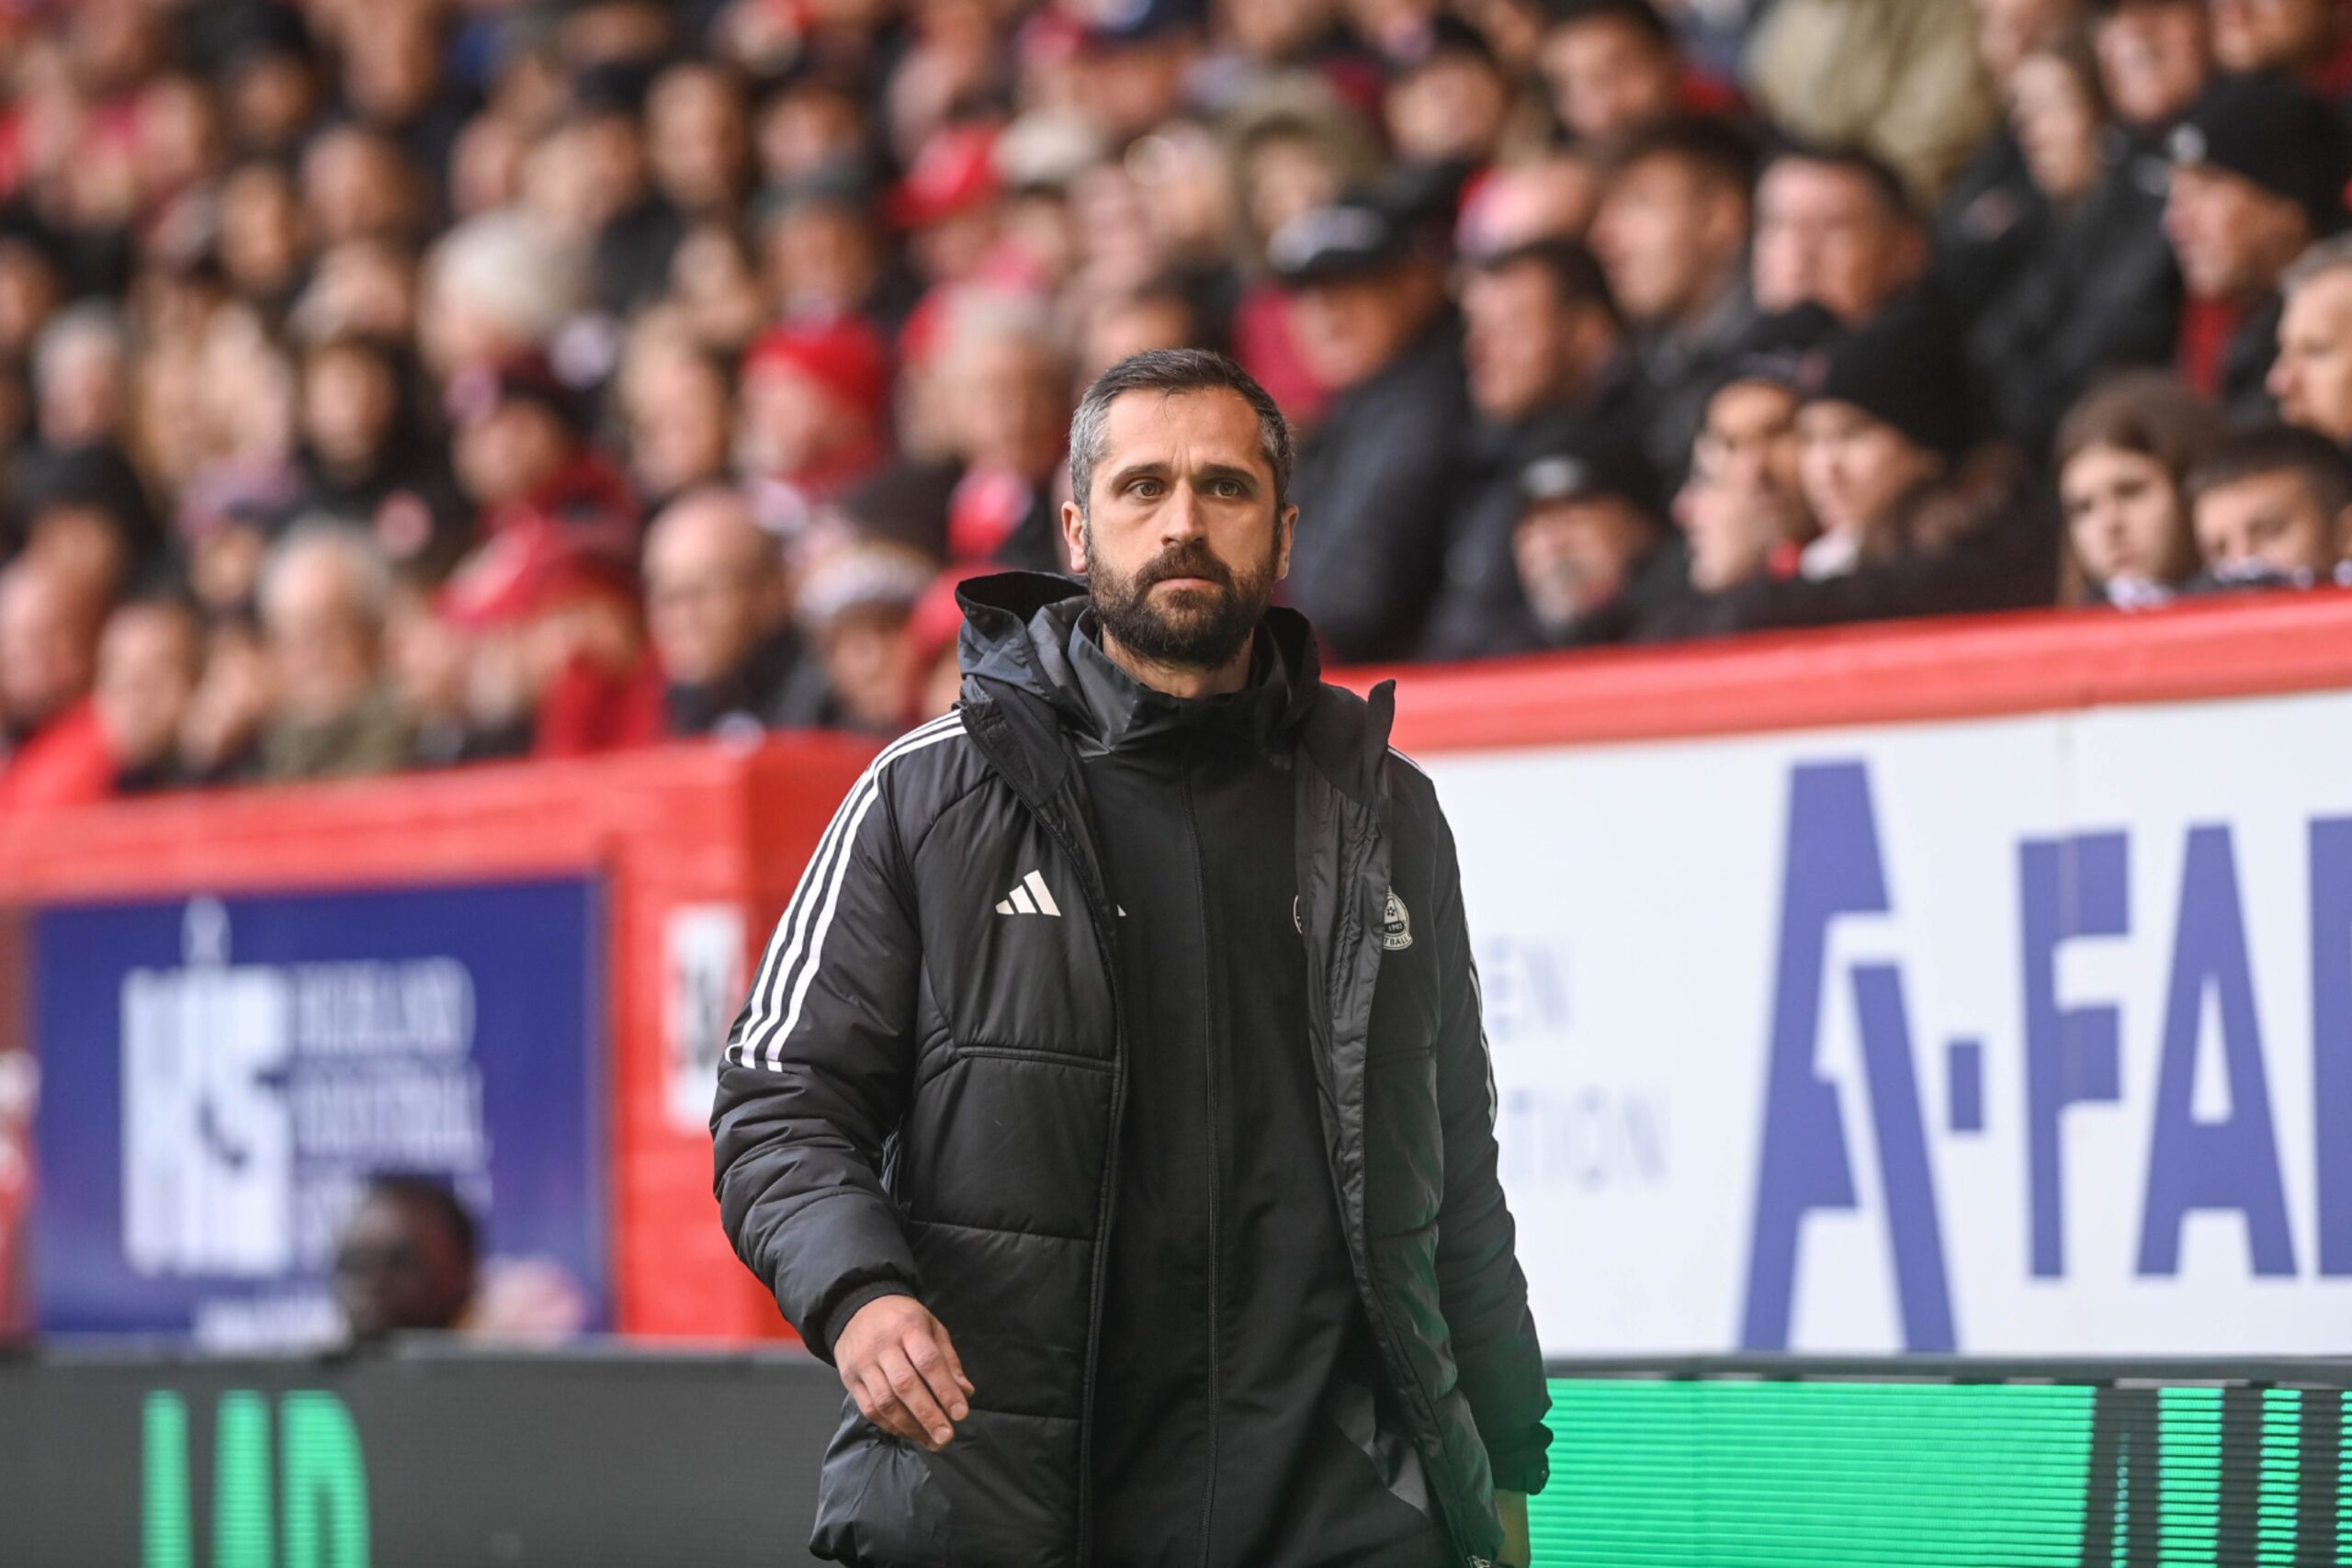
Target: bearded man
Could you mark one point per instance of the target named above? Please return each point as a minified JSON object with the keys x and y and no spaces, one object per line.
{"x":1112,"y":1106}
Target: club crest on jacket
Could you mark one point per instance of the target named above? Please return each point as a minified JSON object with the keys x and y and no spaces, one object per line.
{"x":1395,"y":927}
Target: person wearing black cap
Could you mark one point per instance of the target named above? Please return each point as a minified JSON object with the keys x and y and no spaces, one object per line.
{"x":1377,"y":472}
{"x":2259,"y":168}
{"x":1545,"y":350}
{"x":1917,"y":518}
{"x":520,"y":452}
{"x":1595,"y":556}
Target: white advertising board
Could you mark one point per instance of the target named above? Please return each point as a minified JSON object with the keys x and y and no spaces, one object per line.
{"x":2019,"y":1036}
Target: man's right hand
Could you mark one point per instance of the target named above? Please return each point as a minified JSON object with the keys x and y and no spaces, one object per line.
{"x":896,"y":1361}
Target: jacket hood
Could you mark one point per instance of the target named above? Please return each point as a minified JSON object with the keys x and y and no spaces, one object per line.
{"x":1016,"y":635}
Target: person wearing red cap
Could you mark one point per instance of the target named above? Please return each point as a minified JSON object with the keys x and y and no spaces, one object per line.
{"x":565,"y":618}
{"x":815,"y":412}
{"x":521,"y":454}
{"x":947,"y":202}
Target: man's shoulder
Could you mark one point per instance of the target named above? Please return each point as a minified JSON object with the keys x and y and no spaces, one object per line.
{"x":924,"y":771}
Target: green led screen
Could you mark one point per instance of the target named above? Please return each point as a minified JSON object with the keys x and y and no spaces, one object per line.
{"x":1736,"y":1473}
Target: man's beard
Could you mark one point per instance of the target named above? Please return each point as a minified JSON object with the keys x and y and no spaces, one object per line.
{"x":1191,"y":628}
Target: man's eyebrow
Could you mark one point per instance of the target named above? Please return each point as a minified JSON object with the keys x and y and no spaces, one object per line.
{"x":1228,"y":471}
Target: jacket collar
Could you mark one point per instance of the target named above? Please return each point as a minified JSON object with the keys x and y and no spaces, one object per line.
{"x":1015,"y":648}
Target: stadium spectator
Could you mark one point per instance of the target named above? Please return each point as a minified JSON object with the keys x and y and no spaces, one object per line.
{"x":1004,"y":384}
{"x":1834,"y":227}
{"x":856,"y":608}
{"x":2259,"y":170}
{"x":717,"y":608}
{"x":814,"y":415}
{"x":698,"y":140}
{"x":407,"y":1260}
{"x":2123,"y":457}
{"x":1743,"y":511}
{"x":2311,"y":377}
{"x":2095,"y":288}
{"x":2311,"y":39}
{"x":2155,"y":58}
{"x":522,"y":455}
{"x":55,"y":749}
{"x":1549,"y":195}
{"x":1543,"y":349}
{"x":2273,"y":507}
{"x":1613,"y":68}
{"x":82,"y":376}
{"x":324,"y":593}
{"x":148,"y":661}
{"x":1993,"y":211}
{"x":367,"y":457}
{"x":1595,"y":555}
{"x":1448,"y":99}
{"x":1672,"y":234}
{"x":1898,"y":78}
{"x":555,"y":623}
{"x":1372,"y":485}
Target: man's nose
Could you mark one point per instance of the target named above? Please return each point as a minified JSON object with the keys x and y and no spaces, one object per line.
{"x":1183,"y":517}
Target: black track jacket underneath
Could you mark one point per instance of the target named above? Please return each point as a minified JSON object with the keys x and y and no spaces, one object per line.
{"x":1204,"y":1191}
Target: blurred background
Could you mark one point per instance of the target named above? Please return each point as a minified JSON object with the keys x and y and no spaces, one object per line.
{"x":1856,"y":492}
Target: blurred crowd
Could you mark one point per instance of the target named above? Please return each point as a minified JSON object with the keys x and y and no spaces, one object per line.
{"x":391,"y":384}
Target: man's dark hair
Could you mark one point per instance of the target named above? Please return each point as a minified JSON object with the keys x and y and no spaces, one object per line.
{"x":1168,"y":371}
{"x":2325,"y":468}
{"x":1714,"y":150}
{"x":1640,"y":14}
{"x":1885,"y":186}
{"x":1575,"y":274}
{"x":437,"y":1198}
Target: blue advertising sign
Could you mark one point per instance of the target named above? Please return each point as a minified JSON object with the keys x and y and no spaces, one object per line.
{"x":220,"y":1076}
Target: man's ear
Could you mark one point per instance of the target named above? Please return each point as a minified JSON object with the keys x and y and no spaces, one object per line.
{"x":1285,"y":530}
{"x":1074,"y":538}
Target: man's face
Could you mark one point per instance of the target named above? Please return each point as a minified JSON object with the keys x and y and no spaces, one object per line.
{"x":2258,"y":35}
{"x":1663,"y":242}
{"x":320,"y":639}
{"x":1183,"y":542}
{"x":2311,"y":377}
{"x":45,"y":655}
{"x":2152,"y":59}
{"x":1350,"y":328}
{"x":2233,"y":238}
{"x":710,"y":587}
{"x":509,"y":450}
{"x":696,"y":136}
{"x":2008,"y":30}
{"x":1574,"y":556}
{"x":1012,"y":404}
{"x":1608,"y":77}
{"x":1746,"y":495}
{"x":2267,"y":522}
{"x":147,"y":669}
{"x":1515,"y":341}
{"x":397,"y":1266}
{"x":1821,"y":234}
{"x":348,"y":401}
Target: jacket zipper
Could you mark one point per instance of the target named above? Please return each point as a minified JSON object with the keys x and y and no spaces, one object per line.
{"x":1216,"y":1197}
{"x":1106,"y":939}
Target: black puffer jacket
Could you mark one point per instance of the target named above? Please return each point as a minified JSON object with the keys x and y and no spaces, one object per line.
{"x":919,"y":1097}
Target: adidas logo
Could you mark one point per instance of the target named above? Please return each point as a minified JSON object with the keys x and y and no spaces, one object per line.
{"x":1029,"y":896}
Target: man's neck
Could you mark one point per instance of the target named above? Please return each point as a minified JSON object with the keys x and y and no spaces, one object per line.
{"x":1186,"y":681}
